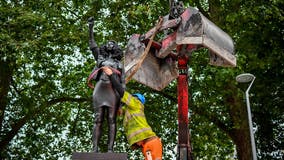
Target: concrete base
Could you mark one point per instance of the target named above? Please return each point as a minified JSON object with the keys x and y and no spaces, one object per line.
{"x":98,"y":156}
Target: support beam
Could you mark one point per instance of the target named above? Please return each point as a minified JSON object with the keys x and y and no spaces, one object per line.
{"x":184,"y":149}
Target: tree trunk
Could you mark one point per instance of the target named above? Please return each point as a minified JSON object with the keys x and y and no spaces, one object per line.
{"x":241,"y":138}
{"x":5,"y":81}
{"x":240,"y":132}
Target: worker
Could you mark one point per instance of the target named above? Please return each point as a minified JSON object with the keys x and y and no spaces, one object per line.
{"x":138,"y":131}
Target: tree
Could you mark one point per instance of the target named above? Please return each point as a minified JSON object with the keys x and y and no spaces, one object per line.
{"x":256,"y":53}
{"x":38,"y":43}
{"x":45,"y":110}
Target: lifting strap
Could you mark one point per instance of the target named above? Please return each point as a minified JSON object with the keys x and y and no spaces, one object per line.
{"x":144,"y":54}
{"x":94,"y":72}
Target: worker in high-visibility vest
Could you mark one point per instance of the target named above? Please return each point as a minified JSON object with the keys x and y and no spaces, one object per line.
{"x":139,"y":133}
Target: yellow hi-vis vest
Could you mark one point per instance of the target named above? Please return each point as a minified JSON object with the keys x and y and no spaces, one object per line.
{"x":134,"y":122}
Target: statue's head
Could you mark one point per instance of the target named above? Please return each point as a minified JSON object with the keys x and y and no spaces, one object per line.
{"x":113,"y":48}
{"x":110,"y":45}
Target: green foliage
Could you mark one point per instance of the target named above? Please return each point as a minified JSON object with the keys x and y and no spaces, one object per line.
{"x":45,"y":110}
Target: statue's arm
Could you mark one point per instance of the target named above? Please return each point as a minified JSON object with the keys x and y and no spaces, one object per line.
{"x":116,"y":84}
{"x":122,"y":77}
{"x":92,"y":43}
{"x":132,"y":103}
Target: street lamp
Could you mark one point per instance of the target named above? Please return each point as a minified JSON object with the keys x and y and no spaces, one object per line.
{"x":245,"y":78}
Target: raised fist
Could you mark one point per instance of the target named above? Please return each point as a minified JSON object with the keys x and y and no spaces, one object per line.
{"x":91,"y":21}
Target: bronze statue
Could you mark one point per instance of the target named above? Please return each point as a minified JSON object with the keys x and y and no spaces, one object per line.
{"x":106,"y":100}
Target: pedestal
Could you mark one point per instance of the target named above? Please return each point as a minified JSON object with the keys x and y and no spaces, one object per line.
{"x":98,"y":156}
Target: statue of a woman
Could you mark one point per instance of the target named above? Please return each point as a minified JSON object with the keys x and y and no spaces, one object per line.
{"x":105,"y":99}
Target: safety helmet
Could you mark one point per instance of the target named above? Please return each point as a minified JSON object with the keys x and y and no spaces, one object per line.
{"x":140,"y":97}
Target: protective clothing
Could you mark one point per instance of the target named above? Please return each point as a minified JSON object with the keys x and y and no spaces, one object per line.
{"x":137,"y":130}
{"x":140,"y":97}
{"x":152,"y":149}
{"x":135,"y":123}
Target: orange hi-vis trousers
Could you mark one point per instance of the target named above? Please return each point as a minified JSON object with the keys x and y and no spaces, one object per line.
{"x":152,"y":149}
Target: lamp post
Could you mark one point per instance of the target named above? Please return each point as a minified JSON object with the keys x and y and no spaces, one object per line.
{"x":245,"y":78}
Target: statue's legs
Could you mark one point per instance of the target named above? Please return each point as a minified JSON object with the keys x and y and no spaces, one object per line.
{"x":111,"y":127}
{"x":97,"y":130}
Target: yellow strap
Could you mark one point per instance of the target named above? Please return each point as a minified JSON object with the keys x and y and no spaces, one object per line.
{"x":143,"y":56}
